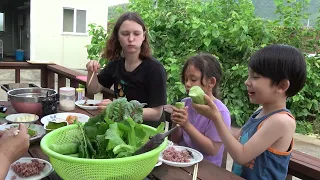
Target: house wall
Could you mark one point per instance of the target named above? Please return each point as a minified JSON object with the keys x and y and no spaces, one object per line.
{"x":49,"y":43}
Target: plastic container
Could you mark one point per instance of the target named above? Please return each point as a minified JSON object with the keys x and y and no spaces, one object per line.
{"x":67,"y":96}
{"x":80,"y":94}
{"x":19,"y":55}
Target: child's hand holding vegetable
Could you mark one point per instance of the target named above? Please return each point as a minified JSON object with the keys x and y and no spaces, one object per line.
{"x":209,"y":110}
{"x":180,"y":116}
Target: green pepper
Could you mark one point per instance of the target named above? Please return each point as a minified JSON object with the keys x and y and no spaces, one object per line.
{"x":84,"y":142}
{"x":65,"y":148}
{"x":86,"y":152}
{"x":197,"y":95}
{"x":180,"y":105}
{"x":91,"y":150}
{"x":81,"y":151}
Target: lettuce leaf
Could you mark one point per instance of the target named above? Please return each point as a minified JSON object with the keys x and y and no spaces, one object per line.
{"x":124,"y":150}
{"x":120,"y":109}
{"x":117,"y":132}
{"x":114,"y":135}
{"x":134,"y":109}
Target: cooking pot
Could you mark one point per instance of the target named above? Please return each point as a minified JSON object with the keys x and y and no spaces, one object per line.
{"x":28,"y":100}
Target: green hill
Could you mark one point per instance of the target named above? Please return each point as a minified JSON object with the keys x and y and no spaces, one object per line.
{"x":267,"y":9}
{"x":114,"y":13}
{"x":263,"y":8}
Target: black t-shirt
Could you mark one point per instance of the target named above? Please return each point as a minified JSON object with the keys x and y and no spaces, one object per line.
{"x":146,"y":84}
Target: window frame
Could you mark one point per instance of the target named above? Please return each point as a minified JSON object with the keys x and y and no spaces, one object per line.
{"x":74,"y":32}
{"x":3,"y":21}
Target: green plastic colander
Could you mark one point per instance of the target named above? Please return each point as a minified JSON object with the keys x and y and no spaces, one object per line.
{"x":70,"y":168}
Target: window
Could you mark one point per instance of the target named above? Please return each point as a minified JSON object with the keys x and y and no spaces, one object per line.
{"x":1,"y":22}
{"x":74,"y":21}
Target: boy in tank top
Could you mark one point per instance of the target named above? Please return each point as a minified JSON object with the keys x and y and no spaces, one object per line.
{"x":262,"y":147}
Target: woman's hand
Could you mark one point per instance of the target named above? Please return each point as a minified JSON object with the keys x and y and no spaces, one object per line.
{"x":209,"y":110}
{"x":13,"y":143}
{"x":93,"y":66}
{"x":180,"y":116}
{"x":103,"y":104}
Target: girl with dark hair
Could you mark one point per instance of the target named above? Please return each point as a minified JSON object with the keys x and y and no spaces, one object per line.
{"x":197,"y":131}
{"x":132,"y":70}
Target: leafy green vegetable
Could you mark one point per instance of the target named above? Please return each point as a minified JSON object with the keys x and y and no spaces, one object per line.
{"x":160,"y":129}
{"x":197,"y":95}
{"x":32,"y":133}
{"x":65,"y":148}
{"x":2,"y":115}
{"x":120,"y":109}
{"x":180,"y":105}
{"x":115,"y":133}
{"x":95,"y":119}
{"x":83,"y":150}
{"x":54,"y":125}
{"x":124,"y":150}
{"x":134,"y":109}
{"x":132,"y":138}
{"x":91,"y":150}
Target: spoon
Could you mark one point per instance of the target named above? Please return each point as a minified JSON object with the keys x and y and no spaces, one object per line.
{"x":155,"y":141}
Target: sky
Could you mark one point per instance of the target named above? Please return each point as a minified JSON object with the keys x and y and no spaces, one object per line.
{"x":115,"y":2}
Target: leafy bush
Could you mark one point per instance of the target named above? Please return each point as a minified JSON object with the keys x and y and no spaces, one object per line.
{"x":305,"y":105}
{"x":98,"y":36}
{"x":231,"y":31}
{"x":304,"y":127}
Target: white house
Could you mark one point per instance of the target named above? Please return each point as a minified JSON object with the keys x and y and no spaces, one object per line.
{"x":50,"y":30}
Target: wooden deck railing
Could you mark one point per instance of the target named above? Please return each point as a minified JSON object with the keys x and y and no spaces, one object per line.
{"x":301,"y":165}
{"x":47,"y":74}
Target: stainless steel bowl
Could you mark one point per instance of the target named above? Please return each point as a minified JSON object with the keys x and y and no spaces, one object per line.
{"x":28,"y":100}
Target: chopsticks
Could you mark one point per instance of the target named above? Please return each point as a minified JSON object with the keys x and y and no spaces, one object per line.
{"x":91,"y":78}
{"x":166,"y":126}
{"x":195,"y":172}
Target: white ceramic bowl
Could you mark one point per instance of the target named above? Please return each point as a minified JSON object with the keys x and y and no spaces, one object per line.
{"x":19,"y":118}
{"x":197,"y":157}
{"x":81,"y":104}
{"x":47,"y":170}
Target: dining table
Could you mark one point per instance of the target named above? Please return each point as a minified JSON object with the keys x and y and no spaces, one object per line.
{"x":206,"y":169}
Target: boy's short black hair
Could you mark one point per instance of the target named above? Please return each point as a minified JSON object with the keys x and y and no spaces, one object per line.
{"x":279,"y":62}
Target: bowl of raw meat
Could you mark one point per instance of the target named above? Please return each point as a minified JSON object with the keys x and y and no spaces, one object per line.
{"x":29,"y":168}
{"x":180,"y":156}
